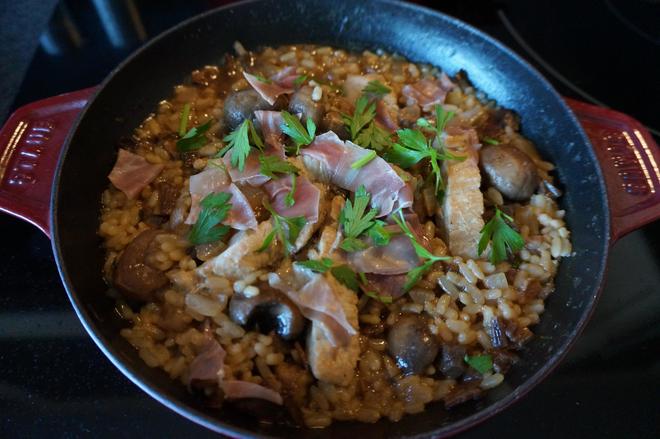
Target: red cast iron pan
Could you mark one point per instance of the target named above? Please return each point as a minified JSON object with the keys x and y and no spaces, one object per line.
{"x":56,"y":153}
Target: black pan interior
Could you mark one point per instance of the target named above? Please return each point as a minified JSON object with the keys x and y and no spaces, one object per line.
{"x":133,"y":90}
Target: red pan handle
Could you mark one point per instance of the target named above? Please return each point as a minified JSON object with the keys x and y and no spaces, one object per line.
{"x":630,"y":160}
{"x":30,"y":144}
{"x":32,"y":138}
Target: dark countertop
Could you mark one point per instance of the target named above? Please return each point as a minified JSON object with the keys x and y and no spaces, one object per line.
{"x":55,"y":382}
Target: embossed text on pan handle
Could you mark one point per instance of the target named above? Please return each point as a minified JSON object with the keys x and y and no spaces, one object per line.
{"x":630,"y":160}
{"x":30,"y":145}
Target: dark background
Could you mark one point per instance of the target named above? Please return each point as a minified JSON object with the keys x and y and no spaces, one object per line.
{"x":54,"y":382}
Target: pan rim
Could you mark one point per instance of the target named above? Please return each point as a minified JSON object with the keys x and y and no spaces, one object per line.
{"x":214,"y":424}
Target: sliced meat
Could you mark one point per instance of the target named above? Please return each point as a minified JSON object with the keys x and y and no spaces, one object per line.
{"x":215,"y":179}
{"x":463,"y":206}
{"x":428,"y":92}
{"x":301,"y":103}
{"x":269,"y":89}
{"x":132,"y":173}
{"x":307,"y":197}
{"x":328,"y":159}
{"x":242,"y":105}
{"x":133,"y":276}
{"x":241,"y":257}
{"x":236,"y":389}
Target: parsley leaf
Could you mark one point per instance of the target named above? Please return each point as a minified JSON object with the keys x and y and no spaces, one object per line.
{"x":375,"y":90}
{"x":378,"y":234}
{"x":491,"y":141}
{"x":501,"y":235}
{"x":364,"y":160}
{"x":346,"y":276}
{"x":295,"y":130}
{"x":285,"y":229}
{"x":374,"y":137}
{"x":215,"y":207}
{"x":480,"y":363}
{"x":300,"y":80}
{"x":289,"y":200}
{"x":271,"y":165}
{"x":183,"y":122}
{"x":194,"y":138}
{"x":320,"y":266}
{"x":365,"y":111}
{"x":356,"y":220}
{"x":239,"y":144}
{"x":416,"y":274}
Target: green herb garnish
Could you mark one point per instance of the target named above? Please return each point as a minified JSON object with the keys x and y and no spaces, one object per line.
{"x":380,"y":298}
{"x":355,"y":221}
{"x":375,"y":90}
{"x":429,"y":258}
{"x":214,"y":210}
{"x":346,"y":276}
{"x":364,"y":160}
{"x":285,"y":229}
{"x":183,"y":121}
{"x":491,"y":141}
{"x":299,"y":80}
{"x":320,"y":266}
{"x":262,"y":79}
{"x":365,"y":111}
{"x":295,"y":130}
{"x":374,"y":137}
{"x":289,"y":200}
{"x":480,"y":363}
{"x":502,"y":237}
{"x":194,"y":138}
{"x":271,"y":165}
{"x":239,"y":142}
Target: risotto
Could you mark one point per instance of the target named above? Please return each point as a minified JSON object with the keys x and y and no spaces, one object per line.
{"x":311,"y":234}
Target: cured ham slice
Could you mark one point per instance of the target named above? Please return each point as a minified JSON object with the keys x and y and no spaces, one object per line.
{"x":215,"y":179}
{"x":387,"y":285}
{"x":307,"y":197}
{"x":428,"y":92}
{"x":397,"y":257}
{"x":329,"y":159}
{"x":132,"y":173}
{"x":386,"y":107}
{"x":207,"y":368}
{"x":270,"y":123}
{"x":270,"y":89}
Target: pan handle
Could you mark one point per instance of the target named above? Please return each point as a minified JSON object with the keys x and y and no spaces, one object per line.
{"x":30,"y":145}
{"x":630,"y":160}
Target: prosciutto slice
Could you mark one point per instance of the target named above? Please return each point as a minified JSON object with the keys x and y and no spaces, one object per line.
{"x":307,"y":197}
{"x":270,"y":122}
{"x":397,"y":257}
{"x":385,"y":285}
{"x":329,"y":159}
{"x":132,"y":173}
{"x":428,"y":92}
{"x":207,"y":367}
{"x":318,"y":302}
{"x":386,"y":108}
{"x":215,"y":179}
{"x":236,"y":389}
{"x":277,"y":85}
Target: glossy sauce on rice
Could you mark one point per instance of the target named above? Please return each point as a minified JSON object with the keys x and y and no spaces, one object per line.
{"x":472,"y":314}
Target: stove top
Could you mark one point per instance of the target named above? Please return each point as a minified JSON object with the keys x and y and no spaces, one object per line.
{"x":55,"y":381}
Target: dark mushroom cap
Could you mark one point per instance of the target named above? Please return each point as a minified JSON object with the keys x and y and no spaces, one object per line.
{"x":241,"y":105}
{"x":269,"y":311}
{"x":411,"y":343}
{"x":136,"y":279}
{"x":301,"y":103}
{"x":509,"y":170}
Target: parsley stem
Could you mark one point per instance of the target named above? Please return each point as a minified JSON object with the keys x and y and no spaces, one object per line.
{"x":364,"y":160}
{"x":183,"y":122}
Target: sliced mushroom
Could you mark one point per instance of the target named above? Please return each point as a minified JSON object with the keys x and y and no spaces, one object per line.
{"x":451,"y":363}
{"x":411,"y":343}
{"x":241,"y":105}
{"x":133,"y":276}
{"x":301,"y":103}
{"x":510,"y":171}
{"x":269,"y":311}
